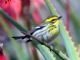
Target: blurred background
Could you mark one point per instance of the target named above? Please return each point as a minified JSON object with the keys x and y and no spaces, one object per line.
{"x":29,"y":14}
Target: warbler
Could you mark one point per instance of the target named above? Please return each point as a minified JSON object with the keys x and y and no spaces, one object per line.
{"x":45,"y":32}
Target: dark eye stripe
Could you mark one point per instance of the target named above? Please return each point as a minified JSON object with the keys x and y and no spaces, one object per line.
{"x":53,"y":20}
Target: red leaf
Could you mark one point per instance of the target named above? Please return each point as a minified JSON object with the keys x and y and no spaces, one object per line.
{"x":36,"y":17}
{"x":11,"y":7}
{"x":4,"y":3}
{"x":26,"y":3}
{"x":2,"y":57}
{"x":38,"y":3}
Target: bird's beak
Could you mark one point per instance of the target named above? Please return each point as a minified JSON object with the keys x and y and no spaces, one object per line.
{"x":59,"y":17}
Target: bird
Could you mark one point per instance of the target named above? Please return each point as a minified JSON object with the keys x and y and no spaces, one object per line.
{"x":46,"y":32}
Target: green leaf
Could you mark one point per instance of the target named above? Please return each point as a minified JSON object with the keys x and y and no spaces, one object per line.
{"x":19,"y":51}
{"x":71,"y":49}
{"x":74,"y":19}
{"x":72,"y":53}
{"x":44,"y":50}
{"x":12,"y":21}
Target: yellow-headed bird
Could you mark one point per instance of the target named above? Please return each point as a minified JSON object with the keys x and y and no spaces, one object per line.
{"x":47,"y":31}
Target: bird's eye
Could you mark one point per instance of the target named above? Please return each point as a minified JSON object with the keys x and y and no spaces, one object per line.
{"x":54,"y":20}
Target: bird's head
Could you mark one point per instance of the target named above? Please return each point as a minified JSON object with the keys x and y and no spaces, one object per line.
{"x":53,"y":20}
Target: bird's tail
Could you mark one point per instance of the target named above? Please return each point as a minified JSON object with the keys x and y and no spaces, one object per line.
{"x":18,"y":37}
{"x":21,"y":37}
